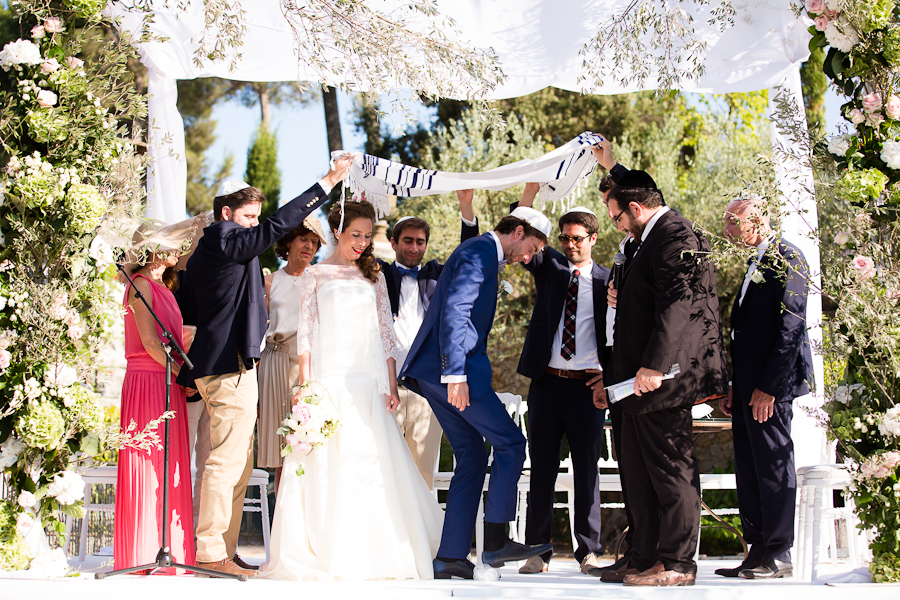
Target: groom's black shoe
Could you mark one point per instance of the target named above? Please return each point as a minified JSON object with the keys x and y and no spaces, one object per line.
{"x":447,"y":569}
{"x":513,"y":551}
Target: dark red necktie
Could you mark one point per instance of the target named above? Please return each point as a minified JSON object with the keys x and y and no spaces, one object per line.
{"x":568,"y":337}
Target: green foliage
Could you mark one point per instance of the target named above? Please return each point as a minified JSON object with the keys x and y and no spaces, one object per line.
{"x":14,"y":554}
{"x":263,"y":173}
{"x":814,"y":85}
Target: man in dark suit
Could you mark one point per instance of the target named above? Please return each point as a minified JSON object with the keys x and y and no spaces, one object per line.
{"x":772,"y":365}
{"x":449,"y":365}
{"x":667,"y":313}
{"x":230,"y":316}
{"x":565,"y":338}
{"x":410,"y":285}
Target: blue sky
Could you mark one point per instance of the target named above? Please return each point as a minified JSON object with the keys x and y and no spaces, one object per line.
{"x":303,"y":145}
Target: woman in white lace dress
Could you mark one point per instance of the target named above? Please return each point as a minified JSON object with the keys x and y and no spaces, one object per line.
{"x":360,"y":510}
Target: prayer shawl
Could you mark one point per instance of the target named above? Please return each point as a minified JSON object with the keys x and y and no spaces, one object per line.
{"x":560,"y":173}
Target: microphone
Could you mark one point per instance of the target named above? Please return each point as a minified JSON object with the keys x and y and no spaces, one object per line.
{"x":618,"y":269}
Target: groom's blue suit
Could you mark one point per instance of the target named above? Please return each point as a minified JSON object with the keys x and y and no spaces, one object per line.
{"x":452,"y":342}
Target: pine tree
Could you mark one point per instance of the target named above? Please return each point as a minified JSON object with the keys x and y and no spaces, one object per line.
{"x":263,"y":173}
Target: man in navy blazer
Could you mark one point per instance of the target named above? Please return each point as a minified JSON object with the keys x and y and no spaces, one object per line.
{"x":772,"y":365}
{"x":410,"y":285}
{"x":228,"y":289}
{"x":449,"y":365}
{"x":565,"y":338}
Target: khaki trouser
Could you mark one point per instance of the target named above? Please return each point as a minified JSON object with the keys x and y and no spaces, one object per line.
{"x":231,"y":402}
{"x":422,"y":432}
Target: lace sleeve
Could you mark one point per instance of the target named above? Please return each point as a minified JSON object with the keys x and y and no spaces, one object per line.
{"x":385,"y":320}
{"x":309,"y":312}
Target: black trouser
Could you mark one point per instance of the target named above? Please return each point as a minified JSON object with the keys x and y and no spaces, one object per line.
{"x":766,"y":479}
{"x":557,"y":407}
{"x":663,"y":480}
{"x":615,"y":417}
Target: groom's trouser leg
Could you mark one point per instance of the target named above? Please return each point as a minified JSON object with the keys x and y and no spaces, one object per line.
{"x":231,"y":401}
{"x":484,"y":419}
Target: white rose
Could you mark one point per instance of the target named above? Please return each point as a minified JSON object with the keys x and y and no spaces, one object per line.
{"x":20,"y":52}
{"x":841,"y":238}
{"x":10,"y":452}
{"x":842,"y":394}
{"x":26,"y":499}
{"x":67,"y":488}
{"x":24,"y":522}
{"x":72,"y":317}
{"x":6,"y":339}
{"x":61,"y":375}
{"x":74,"y":63}
{"x":76,"y":332}
{"x":37,"y":32}
{"x":46,"y":98}
{"x":101,"y":252}
{"x":839,"y":144}
{"x":890,"y":154}
{"x":50,"y":563}
{"x":874,"y":119}
{"x":5,"y":359}
{"x":506,"y":287}
{"x":757,"y":277}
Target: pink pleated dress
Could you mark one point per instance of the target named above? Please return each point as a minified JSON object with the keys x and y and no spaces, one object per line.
{"x":139,"y":506}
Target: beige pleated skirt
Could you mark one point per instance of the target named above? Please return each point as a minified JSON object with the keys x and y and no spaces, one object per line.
{"x":279,"y":369}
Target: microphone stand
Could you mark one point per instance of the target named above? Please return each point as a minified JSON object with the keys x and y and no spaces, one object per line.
{"x":164,"y":558}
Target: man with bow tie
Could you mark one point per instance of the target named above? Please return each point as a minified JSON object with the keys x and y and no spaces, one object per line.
{"x":410,"y":286}
{"x":772,"y":364}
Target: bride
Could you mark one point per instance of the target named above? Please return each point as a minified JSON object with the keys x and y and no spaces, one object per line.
{"x":361,"y":510}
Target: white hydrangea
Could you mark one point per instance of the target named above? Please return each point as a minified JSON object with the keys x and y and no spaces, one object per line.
{"x":890,"y":154}
{"x":61,"y":375}
{"x":841,"y":34}
{"x":890,"y":423}
{"x":20,"y":52}
{"x":67,"y":488}
{"x":839,"y":144}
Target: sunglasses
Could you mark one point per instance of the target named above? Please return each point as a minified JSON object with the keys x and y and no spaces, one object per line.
{"x":575,"y":239}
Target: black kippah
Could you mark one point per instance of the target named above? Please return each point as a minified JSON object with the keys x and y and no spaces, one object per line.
{"x":637,"y":179}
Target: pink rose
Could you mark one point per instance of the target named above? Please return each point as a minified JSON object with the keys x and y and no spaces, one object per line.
{"x":856,"y":116}
{"x":880,"y":472}
{"x":892,"y":108}
{"x":5,"y":359}
{"x":37,"y":32}
{"x":864,"y":266}
{"x":891,"y":459}
{"x":72,"y":318}
{"x":872,"y":102}
{"x":892,"y":293}
{"x":46,"y":98}
{"x":53,"y":25}
{"x":49,"y":66}
{"x":292,"y":439}
{"x":302,"y":413}
{"x":304,"y":447}
{"x":74,"y":63}
{"x":815,"y":6}
{"x":822,"y":23}
{"x":76,"y":332}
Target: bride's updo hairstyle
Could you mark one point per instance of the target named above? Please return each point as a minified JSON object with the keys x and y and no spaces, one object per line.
{"x":352,"y":211}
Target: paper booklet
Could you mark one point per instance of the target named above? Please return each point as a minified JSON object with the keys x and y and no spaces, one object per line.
{"x":622,"y":390}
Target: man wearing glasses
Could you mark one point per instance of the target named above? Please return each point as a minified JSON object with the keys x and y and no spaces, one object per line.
{"x":565,"y":337}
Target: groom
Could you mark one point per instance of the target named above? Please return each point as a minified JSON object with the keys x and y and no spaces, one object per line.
{"x":449,"y":366}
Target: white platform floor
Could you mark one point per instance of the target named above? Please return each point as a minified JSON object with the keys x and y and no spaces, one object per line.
{"x":563,"y":581}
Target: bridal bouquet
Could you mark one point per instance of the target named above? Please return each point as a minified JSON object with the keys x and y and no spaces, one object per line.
{"x":311,"y":421}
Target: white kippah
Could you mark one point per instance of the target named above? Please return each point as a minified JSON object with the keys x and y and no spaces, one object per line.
{"x":231,"y":186}
{"x":534,"y":218}
{"x":581,"y":209}
{"x":401,"y":219}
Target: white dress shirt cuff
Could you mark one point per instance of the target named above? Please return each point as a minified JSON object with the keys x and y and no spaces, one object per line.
{"x":453,"y":378}
{"x":325,"y":186}
{"x":468,"y":222}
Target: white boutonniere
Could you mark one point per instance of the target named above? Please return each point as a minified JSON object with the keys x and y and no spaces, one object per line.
{"x":506,"y":288}
{"x":757,"y":277}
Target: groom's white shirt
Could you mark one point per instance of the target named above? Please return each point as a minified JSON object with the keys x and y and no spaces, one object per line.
{"x":462,"y":378}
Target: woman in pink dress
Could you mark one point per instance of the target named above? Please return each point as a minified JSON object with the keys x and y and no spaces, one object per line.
{"x":139,"y":518}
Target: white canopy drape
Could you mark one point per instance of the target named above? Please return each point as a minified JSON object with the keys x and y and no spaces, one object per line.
{"x":537,"y":43}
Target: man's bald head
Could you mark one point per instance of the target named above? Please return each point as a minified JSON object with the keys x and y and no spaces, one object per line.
{"x":747,"y":221}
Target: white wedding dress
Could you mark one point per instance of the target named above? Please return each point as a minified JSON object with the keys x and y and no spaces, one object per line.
{"x":361,"y":510}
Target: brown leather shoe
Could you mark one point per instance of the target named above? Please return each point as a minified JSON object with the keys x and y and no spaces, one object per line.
{"x":226,"y":565}
{"x":243,"y":564}
{"x":658,"y":576}
{"x":534,"y":564}
{"x":614,"y":575}
{"x":589,"y":562}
